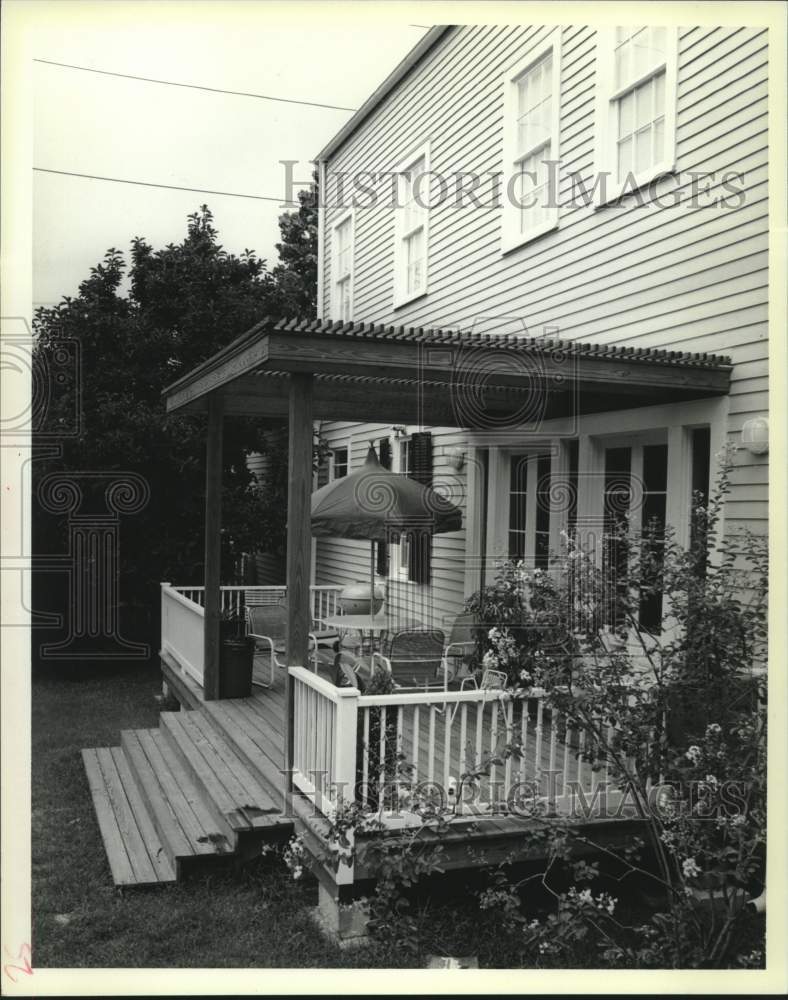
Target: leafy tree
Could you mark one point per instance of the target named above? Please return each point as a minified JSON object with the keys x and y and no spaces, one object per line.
{"x":297,"y":272}
{"x":139,"y":331}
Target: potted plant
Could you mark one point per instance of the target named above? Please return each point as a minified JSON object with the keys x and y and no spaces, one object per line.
{"x":236,"y":655}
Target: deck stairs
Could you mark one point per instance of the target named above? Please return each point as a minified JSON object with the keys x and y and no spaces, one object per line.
{"x":196,"y":792}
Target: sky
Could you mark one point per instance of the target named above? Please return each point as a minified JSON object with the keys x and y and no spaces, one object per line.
{"x":112,"y":127}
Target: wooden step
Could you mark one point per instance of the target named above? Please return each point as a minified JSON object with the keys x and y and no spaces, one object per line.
{"x":238,"y":796}
{"x":258,"y":748}
{"x":134,"y":850}
{"x":188,"y":827}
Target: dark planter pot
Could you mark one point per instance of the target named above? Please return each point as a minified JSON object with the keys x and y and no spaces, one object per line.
{"x":236,"y":661}
{"x":231,"y":630}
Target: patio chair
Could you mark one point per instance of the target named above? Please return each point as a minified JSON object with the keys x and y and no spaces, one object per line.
{"x":414,"y":659}
{"x":491,"y":680}
{"x":461,"y":650}
{"x":350,"y":670}
{"x":319,"y":636}
{"x":267,"y":625}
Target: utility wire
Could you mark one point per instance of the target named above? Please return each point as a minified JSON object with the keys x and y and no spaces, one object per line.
{"x":193,"y":86}
{"x":167,"y":187}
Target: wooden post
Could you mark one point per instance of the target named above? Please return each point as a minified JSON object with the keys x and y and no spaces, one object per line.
{"x":299,"y":544}
{"x":213,"y":545}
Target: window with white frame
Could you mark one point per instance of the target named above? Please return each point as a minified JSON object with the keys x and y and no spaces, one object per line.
{"x":636,"y":106}
{"x":400,"y":552}
{"x":412,"y":228}
{"x":529,"y":508}
{"x":343,"y":269}
{"x":532,"y":94}
{"x":638,"y":482}
{"x":338,"y":464}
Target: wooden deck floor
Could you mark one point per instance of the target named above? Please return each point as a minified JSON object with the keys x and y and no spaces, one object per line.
{"x":437,"y":756}
{"x":254,"y":728}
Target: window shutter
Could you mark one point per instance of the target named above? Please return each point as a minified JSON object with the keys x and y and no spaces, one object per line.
{"x":420,"y":554}
{"x":384,"y":455}
{"x":322,"y":470}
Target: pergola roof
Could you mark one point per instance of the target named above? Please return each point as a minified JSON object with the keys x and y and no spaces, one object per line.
{"x":365,"y":371}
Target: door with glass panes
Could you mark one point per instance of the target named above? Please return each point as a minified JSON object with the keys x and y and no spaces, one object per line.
{"x":632,"y":476}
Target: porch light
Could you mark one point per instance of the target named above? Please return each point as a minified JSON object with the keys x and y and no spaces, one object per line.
{"x":755,"y":435}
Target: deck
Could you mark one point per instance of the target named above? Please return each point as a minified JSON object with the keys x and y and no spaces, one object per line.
{"x":207,"y":787}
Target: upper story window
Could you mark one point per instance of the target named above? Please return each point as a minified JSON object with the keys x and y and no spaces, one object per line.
{"x":636,"y":107}
{"x":532,"y":93}
{"x":412,"y":229}
{"x":342,"y":305}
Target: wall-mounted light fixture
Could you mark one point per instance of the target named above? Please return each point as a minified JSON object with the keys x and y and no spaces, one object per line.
{"x":399,"y":431}
{"x":755,"y":435}
{"x":456,"y":457}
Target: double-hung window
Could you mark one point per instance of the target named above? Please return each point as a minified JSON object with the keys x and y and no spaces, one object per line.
{"x":412,"y":228}
{"x":401,"y":551}
{"x":338,"y":466}
{"x":636,"y":107}
{"x":532,"y":93}
{"x":343,"y":269}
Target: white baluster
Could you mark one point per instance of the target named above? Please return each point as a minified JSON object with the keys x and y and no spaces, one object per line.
{"x":382,"y":749}
{"x":463,"y":738}
{"x":580,"y":747}
{"x":539,"y":729}
{"x":507,"y":773}
{"x":416,"y":738}
{"x":493,"y":744}
{"x":479,"y":736}
{"x":431,"y":747}
{"x":365,"y":765}
{"x":524,"y":741}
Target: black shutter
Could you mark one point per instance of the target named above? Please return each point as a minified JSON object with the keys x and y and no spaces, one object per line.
{"x":420,"y":552}
{"x":322,"y":469}
{"x":384,"y":456}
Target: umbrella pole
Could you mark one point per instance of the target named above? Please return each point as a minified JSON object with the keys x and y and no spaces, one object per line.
{"x":372,"y":578}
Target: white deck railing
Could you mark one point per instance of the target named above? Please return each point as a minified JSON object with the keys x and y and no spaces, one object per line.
{"x":182,"y":627}
{"x":182,"y":616}
{"x":324,"y":598}
{"x":361,"y":747}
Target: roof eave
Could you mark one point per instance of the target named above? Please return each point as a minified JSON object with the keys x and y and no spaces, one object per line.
{"x":381,"y":93}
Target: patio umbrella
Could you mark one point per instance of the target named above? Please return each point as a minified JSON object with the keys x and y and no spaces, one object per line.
{"x":376,"y":504}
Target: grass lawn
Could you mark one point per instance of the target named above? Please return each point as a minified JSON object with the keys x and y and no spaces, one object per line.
{"x":255,"y":917}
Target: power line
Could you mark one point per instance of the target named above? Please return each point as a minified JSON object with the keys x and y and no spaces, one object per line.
{"x":193,"y":86}
{"x":167,"y":187}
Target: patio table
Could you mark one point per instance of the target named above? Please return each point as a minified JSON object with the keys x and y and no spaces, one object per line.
{"x":374,"y":625}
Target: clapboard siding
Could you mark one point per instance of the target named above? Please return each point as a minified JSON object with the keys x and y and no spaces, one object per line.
{"x":683,"y":276}
{"x":339,"y":561}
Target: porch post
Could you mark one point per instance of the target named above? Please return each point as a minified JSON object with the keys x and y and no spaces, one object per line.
{"x":299,"y":543}
{"x":213,"y":526}
{"x":590,"y":496}
{"x":474,"y":521}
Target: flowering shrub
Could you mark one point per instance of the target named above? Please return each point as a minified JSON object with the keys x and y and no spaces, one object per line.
{"x":521,"y":624}
{"x":674,"y":720}
{"x":294,"y":856}
{"x":677,"y":720}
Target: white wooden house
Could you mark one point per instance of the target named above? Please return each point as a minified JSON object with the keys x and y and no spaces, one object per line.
{"x":676,"y":119}
{"x":523,"y":357}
